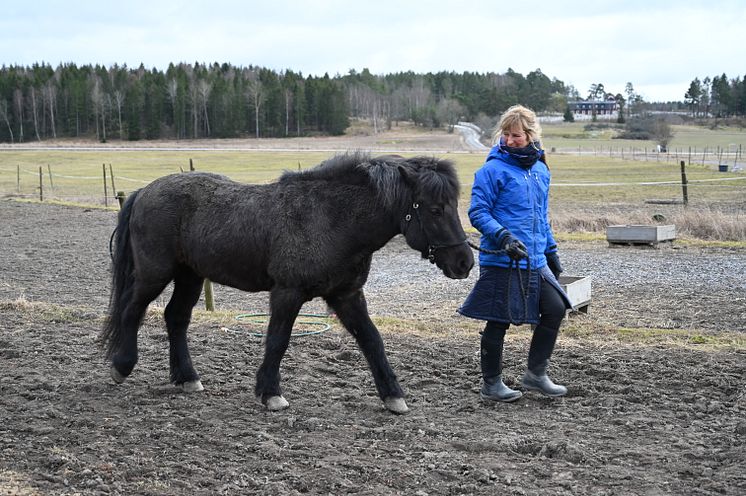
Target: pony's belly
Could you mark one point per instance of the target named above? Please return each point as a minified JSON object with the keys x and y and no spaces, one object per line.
{"x":251,"y":284}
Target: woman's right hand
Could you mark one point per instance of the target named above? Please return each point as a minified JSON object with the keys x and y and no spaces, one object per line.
{"x":513,"y":247}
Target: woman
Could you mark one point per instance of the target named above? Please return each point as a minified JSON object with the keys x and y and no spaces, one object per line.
{"x":518,"y":281}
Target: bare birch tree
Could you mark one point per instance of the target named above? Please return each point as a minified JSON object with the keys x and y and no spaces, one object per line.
{"x":172,"y":88}
{"x":119,"y":102}
{"x":256,"y":95}
{"x":449,"y":111}
{"x":4,"y":115}
{"x":18,"y":102}
{"x":35,"y":113}
{"x":50,"y":95}
{"x":204,"y":88}
{"x":193,"y":99}
{"x":99,"y":105}
{"x":288,"y":103}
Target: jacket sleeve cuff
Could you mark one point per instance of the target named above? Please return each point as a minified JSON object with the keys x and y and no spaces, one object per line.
{"x":551,"y":249}
{"x":500,"y":235}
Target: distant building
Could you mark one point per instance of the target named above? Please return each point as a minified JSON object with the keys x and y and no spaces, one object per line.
{"x":589,"y":107}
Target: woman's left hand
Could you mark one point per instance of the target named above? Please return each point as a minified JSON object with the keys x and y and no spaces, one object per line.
{"x":554,"y":264}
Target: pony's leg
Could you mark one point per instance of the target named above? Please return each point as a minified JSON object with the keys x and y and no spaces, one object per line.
{"x":352,"y":311}
{"x":284,"y":306}
{"x":178,"y":314}
{"x":139,"y":297}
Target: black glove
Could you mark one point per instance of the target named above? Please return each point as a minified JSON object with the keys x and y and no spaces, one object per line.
{"x":513,"y":247}
{"x":554,"y":263}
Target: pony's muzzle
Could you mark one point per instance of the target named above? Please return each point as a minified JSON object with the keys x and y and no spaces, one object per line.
{"x":456,"y":262}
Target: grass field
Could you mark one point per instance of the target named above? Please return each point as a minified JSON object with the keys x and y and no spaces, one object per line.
{"x":571,"y":136}
{"x":78,"y":174}
{"x":589,"y":190}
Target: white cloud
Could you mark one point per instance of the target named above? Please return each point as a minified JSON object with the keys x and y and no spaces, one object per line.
{"x":658,"y":46}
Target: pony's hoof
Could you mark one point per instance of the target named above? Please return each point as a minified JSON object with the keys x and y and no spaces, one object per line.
{"x":396,"y":405}
{"x":116,"y":376}
{"x":276,"y":403}
{"x":191,"y":386}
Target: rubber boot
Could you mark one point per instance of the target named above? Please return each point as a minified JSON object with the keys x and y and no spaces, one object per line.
{"x":493,"y":388}
{"x":535,"y":378}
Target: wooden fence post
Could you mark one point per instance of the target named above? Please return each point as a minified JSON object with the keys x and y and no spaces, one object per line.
{"x":684,"y":183}
{"x":111,"y":174}
{"x":41,"y":185}
{"x":18,"y":178}
{"x":51,"y":181}
{"x":209,"y":297}
{"x":106,"y":191}
{"x":207,"y":285}
{"x":120,"y":198}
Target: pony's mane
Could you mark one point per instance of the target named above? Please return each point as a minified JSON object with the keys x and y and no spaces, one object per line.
{"x":437,"y":178}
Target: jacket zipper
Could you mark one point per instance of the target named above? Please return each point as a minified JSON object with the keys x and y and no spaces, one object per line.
{"x":529,"y":187}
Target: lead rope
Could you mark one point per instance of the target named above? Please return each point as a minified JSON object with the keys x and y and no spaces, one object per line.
{"x":514,"y":265}
{"x":111,"y":244}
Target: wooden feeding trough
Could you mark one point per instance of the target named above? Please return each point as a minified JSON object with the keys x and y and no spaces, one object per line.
{"x":579,"y":291}
{"x":640,"y":234}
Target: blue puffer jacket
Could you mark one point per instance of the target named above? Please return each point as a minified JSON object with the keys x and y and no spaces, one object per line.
{"x":505,"y":197}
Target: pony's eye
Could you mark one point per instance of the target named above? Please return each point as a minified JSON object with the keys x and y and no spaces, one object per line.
{"x":436,"y":211}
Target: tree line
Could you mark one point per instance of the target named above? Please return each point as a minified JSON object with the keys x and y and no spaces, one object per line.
{"x":185,"y":101}
{"x":188,"y":101}
{"x":718,"y":96}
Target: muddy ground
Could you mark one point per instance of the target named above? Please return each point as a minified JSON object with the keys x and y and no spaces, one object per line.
{"x":641,"y":417}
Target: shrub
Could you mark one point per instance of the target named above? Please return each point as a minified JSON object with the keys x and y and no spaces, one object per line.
{"x":647,"y":128}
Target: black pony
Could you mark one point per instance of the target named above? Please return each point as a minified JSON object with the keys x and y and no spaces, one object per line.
{"x":309,"y":234}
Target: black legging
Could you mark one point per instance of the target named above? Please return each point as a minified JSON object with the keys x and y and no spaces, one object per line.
{"x":551,"y":307}
{"x":551,"y":312}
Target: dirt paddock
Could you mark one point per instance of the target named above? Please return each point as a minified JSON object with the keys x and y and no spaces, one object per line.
{"x":641,"y":418}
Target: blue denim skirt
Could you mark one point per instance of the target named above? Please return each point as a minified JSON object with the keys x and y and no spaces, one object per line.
{"x":509,"y":295}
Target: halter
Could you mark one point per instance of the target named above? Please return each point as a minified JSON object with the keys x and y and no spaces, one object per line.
{"x":431,"y":248}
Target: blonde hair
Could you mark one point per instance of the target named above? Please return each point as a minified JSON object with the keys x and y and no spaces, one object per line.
{"x":519,"y":116}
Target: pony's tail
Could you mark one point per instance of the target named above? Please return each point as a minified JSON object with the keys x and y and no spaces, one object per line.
{"x":122,"y":279}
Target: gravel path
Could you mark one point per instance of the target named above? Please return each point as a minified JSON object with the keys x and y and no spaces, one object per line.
{"x":60,"y":255}
{"x":638,"y":418}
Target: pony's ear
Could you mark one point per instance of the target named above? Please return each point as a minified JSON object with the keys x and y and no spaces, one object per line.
{"x":407,"y":174}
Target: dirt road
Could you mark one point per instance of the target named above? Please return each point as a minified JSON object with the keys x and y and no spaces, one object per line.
{"x":639,"y":418}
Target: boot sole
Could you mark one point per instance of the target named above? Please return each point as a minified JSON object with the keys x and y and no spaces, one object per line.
{"x":539,"y":390}
{"x":500,"y":400}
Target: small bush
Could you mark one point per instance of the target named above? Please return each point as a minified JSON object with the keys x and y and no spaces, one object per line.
{"x":568,"y":115}
{"x":647,"y":128}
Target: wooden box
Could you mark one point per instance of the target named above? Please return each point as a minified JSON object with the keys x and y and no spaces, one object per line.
{"x":640,"y":234}
{"x":579,"y":290}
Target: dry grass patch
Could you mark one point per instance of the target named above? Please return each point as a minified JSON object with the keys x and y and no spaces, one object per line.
{"x":702,"y":223}
{"x":586,"y":331}
{"x":47,"y":311}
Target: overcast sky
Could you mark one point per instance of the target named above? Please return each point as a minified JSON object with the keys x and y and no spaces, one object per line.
{"x":658,"y":46}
